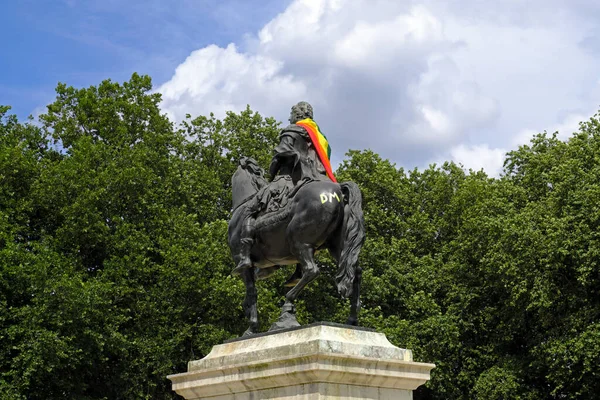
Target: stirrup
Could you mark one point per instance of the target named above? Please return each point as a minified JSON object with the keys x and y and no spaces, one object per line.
{"x":241,"y":267}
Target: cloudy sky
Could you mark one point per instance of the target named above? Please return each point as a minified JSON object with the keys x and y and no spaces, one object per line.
{"x":416,"y":81}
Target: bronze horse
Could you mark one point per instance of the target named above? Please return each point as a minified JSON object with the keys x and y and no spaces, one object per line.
{"x":319,"y":215}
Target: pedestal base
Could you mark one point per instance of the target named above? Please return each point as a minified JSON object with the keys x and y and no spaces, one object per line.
{"x":321,"y":391}
{"x":319,"y":361}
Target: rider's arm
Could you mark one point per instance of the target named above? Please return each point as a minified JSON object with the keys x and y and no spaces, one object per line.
{"x":284,"y":152}
{"x":274,"y":168}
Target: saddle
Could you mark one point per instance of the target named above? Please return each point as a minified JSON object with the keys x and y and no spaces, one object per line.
{"x":276,"y":195}
{"x":275,"y":201}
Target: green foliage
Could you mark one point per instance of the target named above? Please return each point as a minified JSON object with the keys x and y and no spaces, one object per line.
{"x":494,"y":280}
{"x":115,"y":271}
{"x":115,"y":266}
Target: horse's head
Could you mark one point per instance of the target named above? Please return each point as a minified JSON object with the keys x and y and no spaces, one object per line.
{"x":252,"y":167}
{"x":247,"y":180}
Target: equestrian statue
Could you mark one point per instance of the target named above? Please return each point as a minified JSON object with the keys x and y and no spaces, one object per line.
{"x":301,"y":211}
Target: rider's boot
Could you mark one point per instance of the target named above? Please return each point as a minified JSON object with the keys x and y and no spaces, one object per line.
{"x":247,"y":241}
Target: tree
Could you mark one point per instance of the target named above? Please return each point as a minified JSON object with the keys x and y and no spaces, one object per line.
{"x":114,"y":257}
{"x":115,"y":271}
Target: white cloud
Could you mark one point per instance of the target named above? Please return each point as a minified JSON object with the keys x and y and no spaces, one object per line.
{"x":212,"y":79}
{"x":372,"y":46}
{"x":479,"y":157}
{"x":565,"y":128}
{"x":411,"y":80}
{"x":450,"y":105}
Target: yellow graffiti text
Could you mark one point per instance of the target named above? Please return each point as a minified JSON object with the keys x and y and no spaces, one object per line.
{"x":328,"y":197}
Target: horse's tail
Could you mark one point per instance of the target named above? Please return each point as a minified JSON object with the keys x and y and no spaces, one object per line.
{"x":353,"y":237}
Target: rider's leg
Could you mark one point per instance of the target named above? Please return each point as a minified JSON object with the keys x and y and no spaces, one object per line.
{"x":246,"y":243}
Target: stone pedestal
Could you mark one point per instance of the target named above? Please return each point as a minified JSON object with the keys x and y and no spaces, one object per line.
{"x":318,"y":361}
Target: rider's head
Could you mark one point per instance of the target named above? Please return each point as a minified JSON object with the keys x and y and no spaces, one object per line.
{"x":301,"y":111}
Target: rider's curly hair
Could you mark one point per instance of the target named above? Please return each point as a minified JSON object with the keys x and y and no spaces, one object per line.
{"x":304,"y":110}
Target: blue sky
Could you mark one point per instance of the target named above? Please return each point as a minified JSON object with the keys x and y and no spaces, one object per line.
{"x":417,"y":81}
{"x":83,"y":42}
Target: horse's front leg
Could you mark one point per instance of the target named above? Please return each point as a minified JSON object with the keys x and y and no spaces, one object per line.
{"x":249,"y":304}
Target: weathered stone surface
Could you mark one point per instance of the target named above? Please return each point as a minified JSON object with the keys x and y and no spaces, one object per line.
{"x":314,"y":362}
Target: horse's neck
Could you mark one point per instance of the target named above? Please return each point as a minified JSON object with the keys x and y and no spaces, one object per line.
{"x":244,"y":185}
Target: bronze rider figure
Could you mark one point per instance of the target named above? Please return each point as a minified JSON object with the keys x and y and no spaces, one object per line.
{"x":294,"y":158}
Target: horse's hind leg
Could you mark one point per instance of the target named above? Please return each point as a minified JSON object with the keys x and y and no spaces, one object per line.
{"x":310,"y":270}
{"x":355,"y":298}
{"x":250,"y":308}
{"x":294,"y":278}
{"x":304,"y":254}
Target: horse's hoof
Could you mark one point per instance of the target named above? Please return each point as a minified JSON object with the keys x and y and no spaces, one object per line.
{"x":240,"y":269}
{"x":352,"y":322}
{"x":248,"y":332}
{"x":285,"y":320}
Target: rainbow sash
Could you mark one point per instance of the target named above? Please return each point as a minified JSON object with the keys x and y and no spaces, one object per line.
{"x":320,"y":142}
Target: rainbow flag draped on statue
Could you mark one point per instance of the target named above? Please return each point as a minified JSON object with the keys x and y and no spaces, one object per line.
{"x":320,"y":142}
